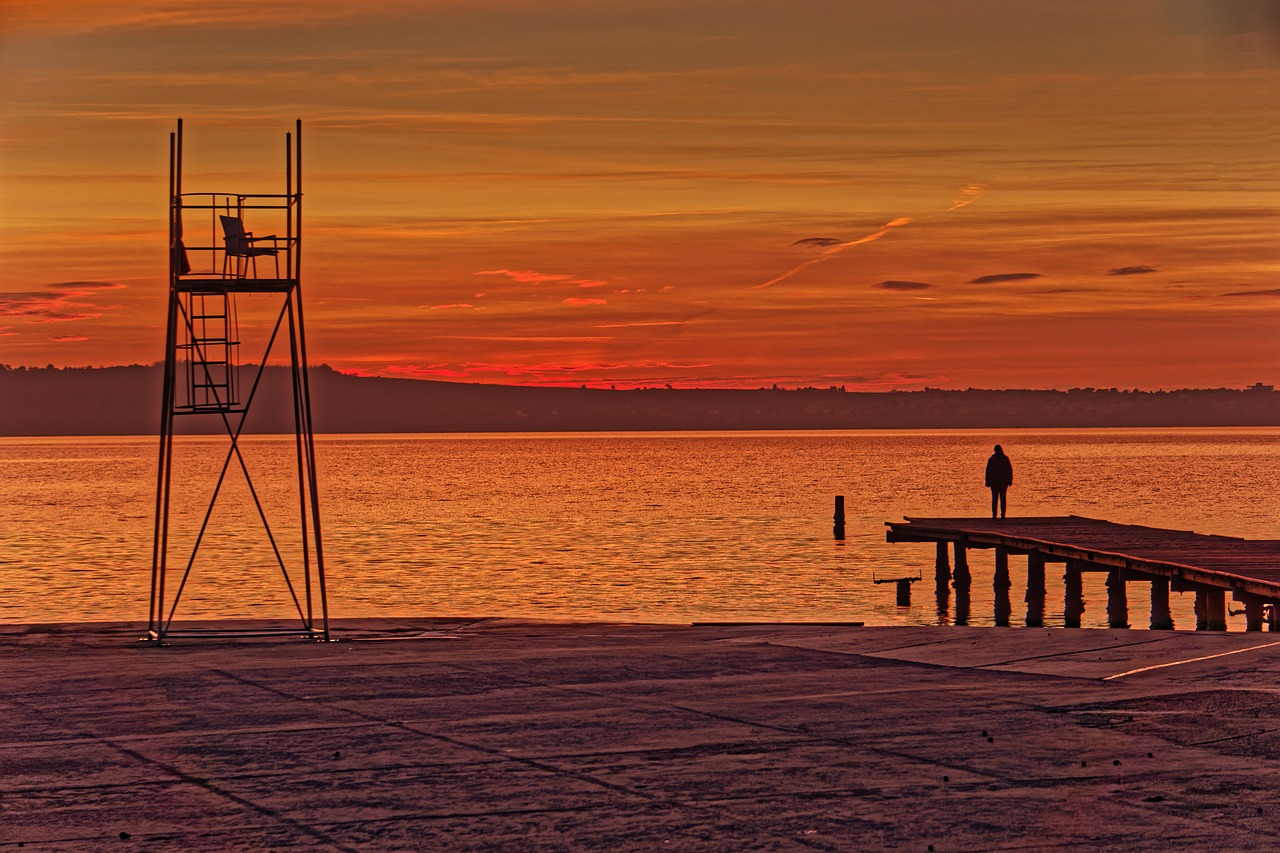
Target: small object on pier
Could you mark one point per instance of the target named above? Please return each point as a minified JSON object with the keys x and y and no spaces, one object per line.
{"x":904,"y":587}
{"x":838,"y":520}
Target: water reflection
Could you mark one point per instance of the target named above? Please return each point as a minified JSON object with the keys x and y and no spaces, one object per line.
{"x":658,"y":527}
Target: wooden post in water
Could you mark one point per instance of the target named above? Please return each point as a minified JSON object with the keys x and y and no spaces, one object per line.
{"x":838,"y":519}
{"x":1211,"y":609}
{"x":1117,"y":600}
{"x":1253,"y":614}
{"x":1161,"y":618}
{"x":942,"y":575}
{"x":1073,"y":608}
{"x":1001,"y":585}
{"x":962,"y":581}
{"x":941,"y":565}
{"x":962,"y":576}
{"x":1035,"y":590}
{"x":962,"y":605}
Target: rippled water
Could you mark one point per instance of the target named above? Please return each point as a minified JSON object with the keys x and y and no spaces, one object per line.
{"x":643,"y":526}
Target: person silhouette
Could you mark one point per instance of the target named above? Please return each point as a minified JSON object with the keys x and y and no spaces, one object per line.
{"x":999,"y":479}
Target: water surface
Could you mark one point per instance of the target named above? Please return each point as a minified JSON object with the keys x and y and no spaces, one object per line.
{"x":667,"y":527}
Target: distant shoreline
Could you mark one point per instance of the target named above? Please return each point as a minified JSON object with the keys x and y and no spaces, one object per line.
{"x":126,"y":401}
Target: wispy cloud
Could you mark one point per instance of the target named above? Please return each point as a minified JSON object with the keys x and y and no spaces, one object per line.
{"x":466,"y":305}
{"x":832,"y":246}
{"x":640,"y":325}
{"x":535,"y":277}
{"x":57,"y":303}
{"x":575,"y":302}
{"x":1005,"y":276}
{"x":1138,"y":270}
{"x":549,"y":373}
{"x":70,"y":338}
{"x":1254,"y":293}
{"x":902,"y":285}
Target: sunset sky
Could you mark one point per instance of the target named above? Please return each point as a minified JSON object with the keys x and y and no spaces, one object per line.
{"x":989,"y":193}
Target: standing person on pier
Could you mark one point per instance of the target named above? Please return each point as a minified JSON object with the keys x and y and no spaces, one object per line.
{"x":999,"y":479}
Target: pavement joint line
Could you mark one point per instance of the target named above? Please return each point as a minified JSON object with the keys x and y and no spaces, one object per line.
{"x":1190,"y":660}
{"x":180,"y":775}
{"x":655,"y":799}
{"x":1232,"y":737}
{"x":1090,"y":650}
{"x":532,"y":763}
{"x":801,"y":734}
{"x":183,"y":735}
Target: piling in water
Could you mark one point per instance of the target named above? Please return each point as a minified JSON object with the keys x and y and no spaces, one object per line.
{"x":1035,"y":590}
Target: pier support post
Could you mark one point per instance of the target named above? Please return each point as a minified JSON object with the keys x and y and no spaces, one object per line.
{"x":1253,"y":609}
{"x":1117,"y":600}
{"x":1001,"y":586}
{"x":1161,"y":618}
{"x":1073,"y":608}
{"x":1035,"y":590}
{"x":942,"y":580}
{"x":837,"y":521}
{"x":942,"y":566}
{"x":1211,"y":610}
{"x":962,"y":576}
{"x":962,"y":581}
{"x":904,"y":592}
{"x":1253,"y":614}
{"x":962,"y":606}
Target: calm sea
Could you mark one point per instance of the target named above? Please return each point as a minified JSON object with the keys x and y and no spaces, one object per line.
{"x":668,"y":527}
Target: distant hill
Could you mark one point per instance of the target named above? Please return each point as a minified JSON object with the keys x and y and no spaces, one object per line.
{"x":126,"y":401}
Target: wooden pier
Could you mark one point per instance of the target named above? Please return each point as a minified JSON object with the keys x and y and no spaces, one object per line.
{"x":1166,"y":560}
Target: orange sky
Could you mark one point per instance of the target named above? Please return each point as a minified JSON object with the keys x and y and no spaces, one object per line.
{"x":1010,"y":194}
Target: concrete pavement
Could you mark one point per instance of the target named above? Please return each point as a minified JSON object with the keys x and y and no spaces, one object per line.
{"x":500,"y":734}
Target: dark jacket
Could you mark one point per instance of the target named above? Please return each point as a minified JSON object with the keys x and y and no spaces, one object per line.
{"x":999,"y":471}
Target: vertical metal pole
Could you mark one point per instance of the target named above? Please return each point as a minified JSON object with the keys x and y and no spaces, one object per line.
{"x":155,"y":543}
{"x":309,"y":437}
{"x":164,"y":478}
{"x":298,"y":427}
{"x":288,"y":207}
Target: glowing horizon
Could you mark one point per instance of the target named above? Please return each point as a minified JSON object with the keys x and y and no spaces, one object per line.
{"x":652,"y":193}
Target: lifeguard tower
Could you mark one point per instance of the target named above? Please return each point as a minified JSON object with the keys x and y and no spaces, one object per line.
{"x":219,"y":253}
